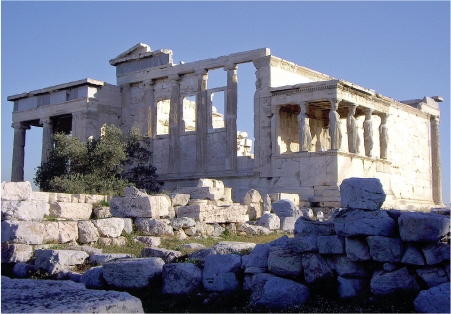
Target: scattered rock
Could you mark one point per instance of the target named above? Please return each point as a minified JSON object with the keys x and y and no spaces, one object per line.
{"x":168,"y":256}
{"x":433,"y":300}
{"x":219,"y":273}
{"x":181,"y":278}
{"x":423,"y":227}
{"x":362,"y":193}
{"x":390,"y":283}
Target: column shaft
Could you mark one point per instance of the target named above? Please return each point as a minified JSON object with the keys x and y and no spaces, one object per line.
{"x":383,"y":137}
{"x":201,"y":121}
{"x":305,"y":136}
{"x":436,"y":162}
{"x":231,"y":160}
{"x":334,"y":125}
{"x":47,"y":142}
{"x":174,"y":125}
{"x":150,"y":108}
{"x":17,"y":171}
{"x":368,"y":132}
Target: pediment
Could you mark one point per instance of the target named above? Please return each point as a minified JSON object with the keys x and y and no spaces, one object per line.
{"x":136,"y":50}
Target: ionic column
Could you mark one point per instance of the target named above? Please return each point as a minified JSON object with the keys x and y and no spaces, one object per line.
{"x":334,"y":125}
{"x":174,"y":125}
{"x":368,"y":132}
{"x":47,"y":142}
{"x":17,"y":173}
{"x":201,"y":120}
{"x":305,"y":136}
{"x":125,"y":103}
{"x":383,"y":136}
{"x":231,"y":160}
{"x":436,"y":163}
{"x":353,"y":134}
{"x":150,"y":107}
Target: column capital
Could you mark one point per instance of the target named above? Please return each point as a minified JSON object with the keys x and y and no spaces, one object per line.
{"x":174,"y":78}
{"x":368,"y":113}
{"x":230,"y":67}
{"x":334,"y":103}
{"x":435,"y":119}
{"x":200,"y":72}
{"x":20,"y":125}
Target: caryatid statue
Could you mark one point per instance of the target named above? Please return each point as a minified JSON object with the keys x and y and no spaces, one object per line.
{"x":368,"y":132}
{"x":334,"y":125}
{"x":353,"y":133}
{"x":383,"y":136}
{"x":305,"y":136}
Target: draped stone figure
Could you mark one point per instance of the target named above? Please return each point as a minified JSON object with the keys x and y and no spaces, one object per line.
{"x":368,"y":132}
{"x":305,"y":136}
{"x":383,"y":136}
{"x":334,"y":126}
{"x":353,"y":133}
{"x":317,"y":126}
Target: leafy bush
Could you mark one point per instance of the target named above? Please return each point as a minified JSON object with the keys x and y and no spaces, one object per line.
{"x":97,"y":166}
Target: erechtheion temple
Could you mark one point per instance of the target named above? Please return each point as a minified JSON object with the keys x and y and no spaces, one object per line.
{"x":311,"y":130}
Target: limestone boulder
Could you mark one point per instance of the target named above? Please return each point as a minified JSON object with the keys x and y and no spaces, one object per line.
{"x":54,"y":261}
{"x":102,"y":212}
{"x":103,"y":258}
{"x":432,"y":276}
{"x":223,"y":247}
{"x":284,"y":262}
{"x":133,"y":273}
{"x":40,"y":196}
{"x":384,"y":249}
{"x":128,"y":225}
{"x":331,"y":244}
{"x":356,"y":222}
{"x":24,"y":270}
{"x":25,"y":210}
{"x":136,"y":204}
{"x":94,"y":198}
{"x":148,"y":240}
{"x":278,"y":293}
{"x":253,"y":229}
{"x":178,"y":199}
{"x":304,"y":244}
{"x":168,"y":256}
{"x":316,"y":268}
{"x":433,"y":300}
{"x":357,"y":249}
{"x":436,"y":253}
{"x":344,"y":267}
{"x":219,"y":273}
{"x":258,"y":257}
{"x":393,"y":282}
{"x":183,"y":222}
{"x":87,"y":232}
{"x":412,"y":256}
{"x":66,"y":297}
{"x":423,"y":227}
{"x":109,"y":227}
{"x":352,"y":287}
{"x":215,"y":214}
{"x":153,"y":227}
{"x":14,"y":253}
{"x":71,"y":211}
{"x":307,"y":227}
{"x":270,"y":221}
{"x":287,"y":224}
{"x":362,"y":193}
{"x":16,"y":191}
{"x":181,"y":278}
{"x":202,"y":192}
{"x":93,"y":278}
{"x":25,"y":232}
{"x":193,"y":246}
{"x":286,"y":208}
{"x":60,"y":231}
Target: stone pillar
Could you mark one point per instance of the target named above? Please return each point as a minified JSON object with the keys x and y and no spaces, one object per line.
{"x":151,"y":108}
{"x":231,"y":160}
{"x":174,"y":125}
{"x":368,"y":132}
{"x":334,"y":125}
{"x":383,"y":136}
{"x":305,"y":136}
{"x":436,"y":163}
{"x":125,"y":102}
{"x":353,"y":133}
{"x":47,"y":141}
{"x":201,"y":120}
{"x":17,"y":173}
{"x":318,"y":128}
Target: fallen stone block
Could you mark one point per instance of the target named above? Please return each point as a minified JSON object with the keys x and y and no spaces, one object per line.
{"x":16,"y":191}
{"x":54,"y":261}
{"x":71,"y":298}
{"x":315,"y":268}
{"x":253,"y":229}
{"x":60,"y":231}
{"x":352,"y":287}
{"x":284,"y":262}
{"x":87,"y":232}
{"x":148,"y":240}
{"x":286,"y":208}
{"x":383,"y":249}
{"x":71,"y":211}
{"x":102,"y":258}
{"x":14,"y":253}
{"x":278,"y":293}
{"x":258,"y":257}
{"x":153,"y":227}
{"x":102,"y":212}
{"x":270,"y":221}
{"x":128,"y":225}
{"x":94,"y":198}
{"x":304,"y":244}
{"x":362,"y":193}
{"x":182,"y":222}
{"x":23,"y":270}
{"x":133,"y":273}
{"x":344,"y":267}
{"x":168,"y":256}
{"x":357,"y":249}
{"x":432,"y":276}
{"x":399,"y":281}
{"x":436,"y":253}
{"x":423,"y":227}
{"x":93,"y":278}
{"x":178,"y":199}
{"x":40,"y":196}
{"x":412,"y":256}
{"x":287,"y":223}
{"x":331,"y":244}
{"x":355,"y":222}
{"x":109,"y":227}
{"x":433,"y":300}
{"x":223,"y":247}
{"x":24,"y":210}
{"x":25,"y":232}
{"x":307,"y":227}
{"x":215,"y":214}
{"x":219,"y":273}
{"x":136,"y":204}
{"x":181,"y":278}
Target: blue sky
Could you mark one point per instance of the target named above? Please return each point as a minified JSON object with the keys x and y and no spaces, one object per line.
{"x":400,"y":49}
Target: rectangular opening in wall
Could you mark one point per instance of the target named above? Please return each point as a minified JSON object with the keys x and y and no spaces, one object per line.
{"x":163,"y":108}
{"x":216,"y":78}
{"x":189,"y":113}
{"x":217,"y":101}
{"x":245,"y":109}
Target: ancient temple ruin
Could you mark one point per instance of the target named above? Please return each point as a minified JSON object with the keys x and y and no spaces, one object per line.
{"x":311,"y":130}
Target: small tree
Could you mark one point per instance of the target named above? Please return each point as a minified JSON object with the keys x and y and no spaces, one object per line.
{"x":95,"y":166}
